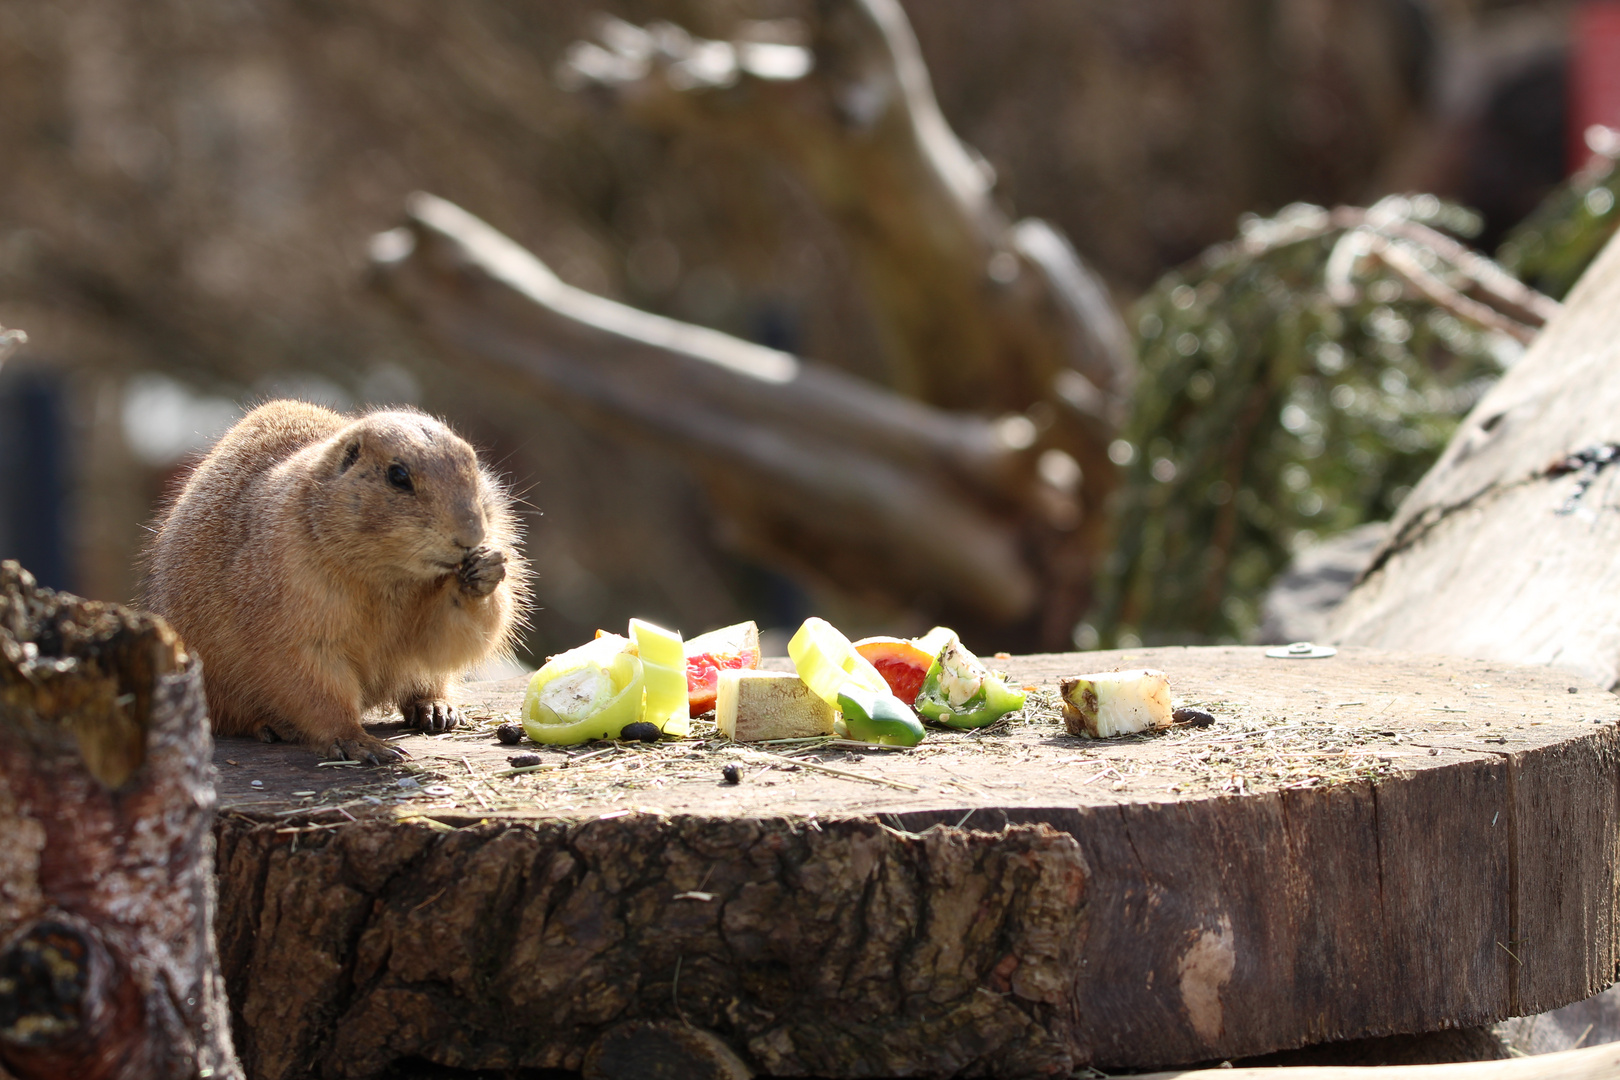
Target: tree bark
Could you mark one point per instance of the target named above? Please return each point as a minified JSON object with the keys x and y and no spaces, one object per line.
{"x":811,"y":468}
{"x":107,"y":962}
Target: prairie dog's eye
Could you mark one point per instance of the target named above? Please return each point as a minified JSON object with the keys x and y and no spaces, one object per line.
{"x":400,"y":477}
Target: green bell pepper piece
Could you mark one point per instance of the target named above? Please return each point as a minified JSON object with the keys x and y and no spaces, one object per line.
{"x":877,"y":718}
{"x":981,"y":698}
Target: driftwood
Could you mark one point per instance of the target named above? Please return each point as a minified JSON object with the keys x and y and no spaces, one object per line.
{"x":959,"y":515}
{"x":1360,"y":846}
{"x":1506,"y":549}
{"x":107,"y":963}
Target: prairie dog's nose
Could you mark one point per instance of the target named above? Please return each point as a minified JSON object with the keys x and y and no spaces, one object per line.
{"x":469,"y":530}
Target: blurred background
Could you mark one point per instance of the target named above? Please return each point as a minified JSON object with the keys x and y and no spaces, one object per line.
{"x":188,"y":189}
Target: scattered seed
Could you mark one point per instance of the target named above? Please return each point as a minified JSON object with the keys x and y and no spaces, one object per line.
{"x":256,"y":783}
{"x":509,"y":733}
{"x":524,"y":760}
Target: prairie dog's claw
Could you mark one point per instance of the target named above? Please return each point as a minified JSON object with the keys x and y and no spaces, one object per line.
{"x":368,"y":749}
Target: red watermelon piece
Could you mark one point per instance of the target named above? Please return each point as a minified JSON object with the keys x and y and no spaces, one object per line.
{"x":709,"y":654}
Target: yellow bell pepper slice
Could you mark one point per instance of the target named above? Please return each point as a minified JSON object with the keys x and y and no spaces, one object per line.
{"x":827,"y":661}
{"x":587,"y":693}
{"x":663,"y":660}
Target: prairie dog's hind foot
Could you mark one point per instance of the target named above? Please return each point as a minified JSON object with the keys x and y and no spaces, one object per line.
{"x":431,"y":717}
{"x":482,"y":570}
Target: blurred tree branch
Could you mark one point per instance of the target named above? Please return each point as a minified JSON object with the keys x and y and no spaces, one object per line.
{"x":807,"y":466}
{"x":978,"y":313}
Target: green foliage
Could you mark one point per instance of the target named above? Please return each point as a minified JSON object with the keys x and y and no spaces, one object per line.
{"x":1293,"y":384}
{"x":1553,"y":246}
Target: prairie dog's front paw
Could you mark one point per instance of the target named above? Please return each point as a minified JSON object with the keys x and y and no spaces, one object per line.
{"x":430,"y":717}
{"x":481,"y":571}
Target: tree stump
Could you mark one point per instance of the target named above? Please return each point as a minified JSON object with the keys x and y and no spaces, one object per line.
{"x":107,"y":964}
{"x":1363,"y":845}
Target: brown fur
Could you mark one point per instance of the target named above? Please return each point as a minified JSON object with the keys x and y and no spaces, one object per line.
{"x":314,"y":589}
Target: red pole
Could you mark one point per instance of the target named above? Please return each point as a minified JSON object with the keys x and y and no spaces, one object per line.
{"x":1594,"y":79}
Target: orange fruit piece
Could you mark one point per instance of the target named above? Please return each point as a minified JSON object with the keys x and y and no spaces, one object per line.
{"x":902,"y":665}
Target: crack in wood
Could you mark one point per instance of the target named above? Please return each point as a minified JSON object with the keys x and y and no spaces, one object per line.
{"x":1421,"y":525}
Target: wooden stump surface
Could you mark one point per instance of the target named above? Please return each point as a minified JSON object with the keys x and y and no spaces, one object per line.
{"x":1362,"y":845}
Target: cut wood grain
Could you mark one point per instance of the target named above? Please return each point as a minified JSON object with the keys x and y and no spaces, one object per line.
{"x":107,"y":964}
{"x":1360,"y":846}
{"x":1594,"y":1063}
{"x":1506,"y":549}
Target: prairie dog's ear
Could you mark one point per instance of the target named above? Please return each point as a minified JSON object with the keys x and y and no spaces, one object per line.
{"x":351,"y":454}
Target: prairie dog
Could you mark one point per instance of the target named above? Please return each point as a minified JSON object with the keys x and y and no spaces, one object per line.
{"x":322,"y":565}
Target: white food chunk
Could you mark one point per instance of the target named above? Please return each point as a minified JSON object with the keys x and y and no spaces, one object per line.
{"x":751,"y":706}
{"x":1116,"y":703}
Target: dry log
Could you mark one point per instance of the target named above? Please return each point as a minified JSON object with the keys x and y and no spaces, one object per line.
{"x":1360,"y":846}
{"x":107,"y":962}
{"x":809,"y":467}
{"x":1506,"y":548}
